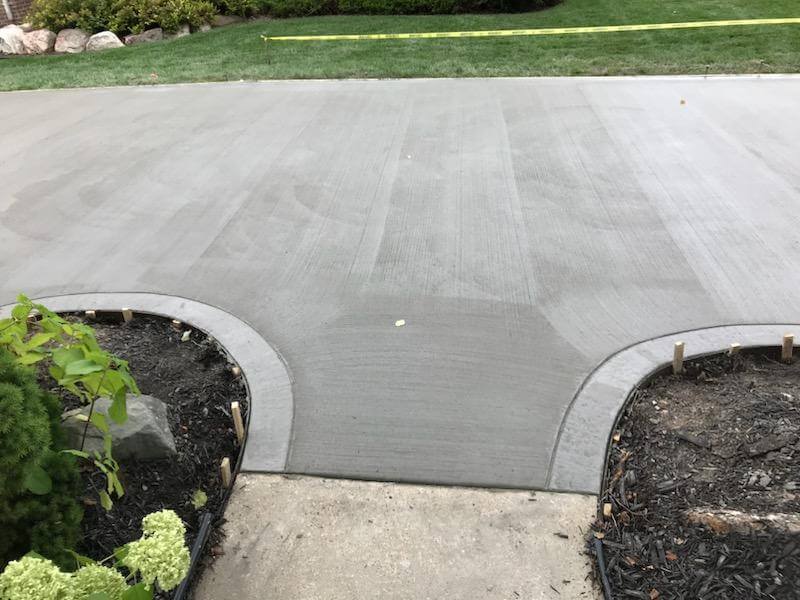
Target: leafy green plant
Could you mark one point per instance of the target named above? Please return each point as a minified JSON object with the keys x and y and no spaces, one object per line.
{"x":241,"y":8}
{"x":35,"y":334}
{"x":124,"y":16}
{"x":158,"y":560}
{"x":46,"y":519}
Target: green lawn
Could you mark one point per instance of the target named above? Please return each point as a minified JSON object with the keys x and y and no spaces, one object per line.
{"x":237,"y":52}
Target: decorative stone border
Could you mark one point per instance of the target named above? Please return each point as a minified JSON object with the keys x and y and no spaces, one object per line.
{"x":581,"y":447}
{"x":267,"y":378}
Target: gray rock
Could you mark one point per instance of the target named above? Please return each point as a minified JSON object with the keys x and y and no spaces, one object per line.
{"x":182,"y":31}
{"x":204,"y":27}
{"x":11,"y":40}
{"x":26,"y":27}
{"x":40,"y":41}
{"x":223,"y":20}
{"x":104,"y":40}
{"x":144,"y":436}
{"x":151,"y":35}
{"x":71,"y":41}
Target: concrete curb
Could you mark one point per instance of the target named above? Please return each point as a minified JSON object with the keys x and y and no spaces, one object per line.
{"x":268,"y":381}
{"x":580,"y":450}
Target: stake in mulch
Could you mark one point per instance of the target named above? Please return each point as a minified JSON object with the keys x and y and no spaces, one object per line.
{"x":90,"y":314}
{"x":607,"y":510}
{"x":225,"y":472}
{"x":734,"y":349}
{"x":176,"y":324}
{"x":236,"y":371}
{"x":238,"y":423}
{"x":677,"y":358}
{"x":127,"y":315}
{"x":788,"y":346}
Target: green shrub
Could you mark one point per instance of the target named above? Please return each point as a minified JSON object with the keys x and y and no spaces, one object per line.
{"x":298,"y":8}
{"x":304,"y":8}
{"x":122,"y":16}
{"x":240,"y":8}
{"x":29,"y":427}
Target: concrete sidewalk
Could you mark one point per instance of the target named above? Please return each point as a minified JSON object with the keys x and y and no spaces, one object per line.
{"x":320,"y":539}
{"x":524,"y":229}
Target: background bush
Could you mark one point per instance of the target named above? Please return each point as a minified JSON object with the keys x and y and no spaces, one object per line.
{"x":304,"y":8}
{"x":240,"y":8}
{"x":134,"y":16}
{"x":30,"y":433}
{"x":122,"y":16}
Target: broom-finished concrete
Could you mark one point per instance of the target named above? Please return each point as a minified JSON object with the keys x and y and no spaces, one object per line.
{"x":524,"y":229}
{"x":306,"y":538}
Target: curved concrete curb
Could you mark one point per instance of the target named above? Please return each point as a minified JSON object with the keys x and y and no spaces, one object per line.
{"x":580,"y":450}
{"x":268,"y":381}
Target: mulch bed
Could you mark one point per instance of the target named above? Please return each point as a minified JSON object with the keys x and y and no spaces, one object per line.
{"x":724,"y":435}
{"x":193,"y":378}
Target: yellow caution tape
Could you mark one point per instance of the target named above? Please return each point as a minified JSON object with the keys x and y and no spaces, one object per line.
{"x":528,"y":32}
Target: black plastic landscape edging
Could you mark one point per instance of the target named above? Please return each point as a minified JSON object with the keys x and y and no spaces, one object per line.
{"x":581,"y":447}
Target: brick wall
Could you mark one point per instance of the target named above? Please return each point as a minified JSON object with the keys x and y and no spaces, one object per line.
{"x":19,"y":8}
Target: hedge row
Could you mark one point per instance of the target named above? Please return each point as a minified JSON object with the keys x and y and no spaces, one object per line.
{"x":306,"y":8}
{"x":134,"y":16}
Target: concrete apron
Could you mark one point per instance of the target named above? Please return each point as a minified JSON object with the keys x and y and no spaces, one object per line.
{"x":305,"y":538}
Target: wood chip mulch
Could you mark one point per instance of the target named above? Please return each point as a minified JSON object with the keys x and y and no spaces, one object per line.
{"x":703,"y":483}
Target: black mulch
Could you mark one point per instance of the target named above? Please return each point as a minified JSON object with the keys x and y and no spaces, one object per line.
{"x":194,"y":379}
{"x":723,"y":435}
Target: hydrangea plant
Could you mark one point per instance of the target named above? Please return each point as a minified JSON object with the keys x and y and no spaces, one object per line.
{"x":161,"y":554}
{"x":159,"y":558}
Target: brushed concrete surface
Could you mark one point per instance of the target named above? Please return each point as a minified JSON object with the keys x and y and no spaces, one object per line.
{"x":320,"y":539}
{"x":524,"y":229}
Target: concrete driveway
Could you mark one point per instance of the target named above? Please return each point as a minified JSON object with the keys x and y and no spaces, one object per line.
{"x":524,"y":229}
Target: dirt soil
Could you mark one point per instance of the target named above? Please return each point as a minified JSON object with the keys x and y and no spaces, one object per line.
{"x":723,"y":436}
{"x":194,"y":379}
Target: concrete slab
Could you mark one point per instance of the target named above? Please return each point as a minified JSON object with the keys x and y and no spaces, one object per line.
{"x":307,"y":538}
{"x":525,"y":229}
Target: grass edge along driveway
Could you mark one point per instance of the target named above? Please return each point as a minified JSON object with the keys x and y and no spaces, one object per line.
{"x":238,"y":52}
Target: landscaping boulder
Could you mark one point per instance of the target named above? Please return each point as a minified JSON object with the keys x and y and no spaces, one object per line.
{"x":182,"y":31}
{"x":39,"y":41}
{"x":151,"y":35}
{"x":144,"y":436}
{"x":223,"y":20}
{"x":71,"y":40}
{"x":11,"y":40}
{"x":104,"y":40}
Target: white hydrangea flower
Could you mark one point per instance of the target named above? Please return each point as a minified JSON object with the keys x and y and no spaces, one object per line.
{"x":95,"y":578}
{"x":163,"y":521}
{"x":31,"y":577}
{"x":161,"y":554}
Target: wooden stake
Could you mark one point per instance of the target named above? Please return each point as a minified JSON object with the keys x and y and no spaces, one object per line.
{"x":677,"y":358}
{"x":788,"y":346}
{"x":176,"y":324}
{"x":236,"y":371}
{"x":238,"y":423}
{"x":734,"y":349}
{"x":90,"y":314}
{"x":607,"y":510}
{"x":225,"y":472}
{"x":127,"y":315}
